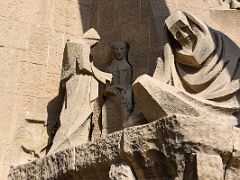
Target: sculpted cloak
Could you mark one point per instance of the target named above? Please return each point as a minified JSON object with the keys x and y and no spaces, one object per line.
{"x":80,"y":79}
{"x":211,"y":71}
{"x":199,"y":74}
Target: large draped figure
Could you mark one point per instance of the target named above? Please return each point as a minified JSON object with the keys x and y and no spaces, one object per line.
{"x":201,"y":70}
{"x":211,"y":69}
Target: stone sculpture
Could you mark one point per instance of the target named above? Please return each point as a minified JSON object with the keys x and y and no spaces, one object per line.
{"x":201,"y":73}
{"x":198,"y":92}
{"x":118,"y":93}
{"x":80,"y":79}
{"x":235,"y":4}
{"x":32,"y":138}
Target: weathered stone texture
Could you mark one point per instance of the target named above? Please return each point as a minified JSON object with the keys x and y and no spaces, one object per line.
{"x":121,"y":171}
{"x":232,"y":171}
{"x":102,"y":151}
{"x":175,"y":147}
{"x":33,"y":35}
{"x":51,"y":167}
{"x":209,"y":167}
{"x":58,"y":164}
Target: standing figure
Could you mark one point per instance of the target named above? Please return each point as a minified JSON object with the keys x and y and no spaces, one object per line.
{"x":118,"y":103}
{"x":80,"y":79}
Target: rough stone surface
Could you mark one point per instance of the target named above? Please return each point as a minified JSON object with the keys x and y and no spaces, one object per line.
{"x":209,"y":167}
{"x":172,"y":147}
{"x":121,"y":171}
{"x":166,"y":100}
{"x":57,"y":165}
{"x":232,"y":171}
{"x":33,"y":37}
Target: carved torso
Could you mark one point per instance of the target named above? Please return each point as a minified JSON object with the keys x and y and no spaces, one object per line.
{"x":121,"y":72}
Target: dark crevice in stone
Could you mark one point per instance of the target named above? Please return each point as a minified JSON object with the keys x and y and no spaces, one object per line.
{"x":228,"y":163}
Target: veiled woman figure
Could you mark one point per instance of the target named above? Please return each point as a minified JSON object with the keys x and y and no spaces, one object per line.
{"x":202,"y":61}
{"x":200,"y":73}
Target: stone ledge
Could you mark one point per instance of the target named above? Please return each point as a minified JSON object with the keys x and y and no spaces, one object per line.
{"x":158,"y":149}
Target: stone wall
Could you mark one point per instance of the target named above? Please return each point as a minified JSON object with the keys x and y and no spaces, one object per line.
{"x":33,"y":35}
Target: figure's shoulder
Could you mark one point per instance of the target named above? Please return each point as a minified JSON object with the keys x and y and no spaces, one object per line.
{"x":230,"y":47}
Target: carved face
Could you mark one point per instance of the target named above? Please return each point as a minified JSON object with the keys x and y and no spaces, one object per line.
{"x":119,"y":51}
{"x":184,"y":35}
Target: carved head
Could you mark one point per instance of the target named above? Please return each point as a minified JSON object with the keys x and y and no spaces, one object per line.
{"x":119,"y":50}
{"x":78,"y":50}
{"x":181,"y":30}
{"x":193,"y":35}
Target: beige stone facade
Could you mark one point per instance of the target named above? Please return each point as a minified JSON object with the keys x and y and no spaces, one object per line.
{"x":33,"y":37}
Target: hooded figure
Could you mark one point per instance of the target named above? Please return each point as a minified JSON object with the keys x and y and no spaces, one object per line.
{"x":200,"y":73}
{"x":205,"y":62}
{"x":80,"y":79}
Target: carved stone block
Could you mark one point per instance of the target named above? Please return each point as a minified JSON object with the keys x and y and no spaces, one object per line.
{"x":209,"y":167}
